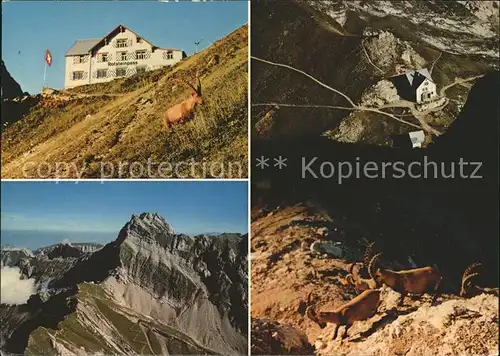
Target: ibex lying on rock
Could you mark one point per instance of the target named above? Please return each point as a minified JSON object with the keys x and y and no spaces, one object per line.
{"x":360,"y":284}
{"x":183,"y":111}
{"x":363,"y":307}
{"x":469,"y":289}
{"x":415,"y":281}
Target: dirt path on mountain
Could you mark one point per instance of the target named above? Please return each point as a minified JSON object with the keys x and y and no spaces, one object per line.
{"x":442,"y":91}
{"x":419,"y":115}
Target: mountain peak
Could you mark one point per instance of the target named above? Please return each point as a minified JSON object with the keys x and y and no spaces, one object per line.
{"x":150,"y":221}
{"x":176,"y":280}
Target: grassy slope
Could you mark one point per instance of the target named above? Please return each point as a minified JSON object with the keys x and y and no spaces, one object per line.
{"x":75,"y":333}
{"x":89,"y":132}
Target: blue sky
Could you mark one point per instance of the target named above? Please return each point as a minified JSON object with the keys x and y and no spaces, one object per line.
{"x":29,"y":28}
{"x":96,"y":212}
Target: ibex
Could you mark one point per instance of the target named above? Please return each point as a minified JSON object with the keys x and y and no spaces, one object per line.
{"x":368,"y":255}
{"x":363,"y":307}
{"x":183,"y":111}
{"x":415,"y":281}
{"x":360,"y":284}
{"x":469,"y":289}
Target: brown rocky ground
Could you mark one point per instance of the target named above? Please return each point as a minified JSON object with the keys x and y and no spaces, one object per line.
{"x":284,"y":272}
{"x":270,"y":338}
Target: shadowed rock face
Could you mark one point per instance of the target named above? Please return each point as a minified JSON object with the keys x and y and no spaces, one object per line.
{"x":10,"y":88}
{"x":273,"y":338}
{"x":11,"y":257}
{"x":451,"y":222}
{"x":202,"y":280}
{"x":18,"y":321}
{"x":46,"y":263}
{"x":65,"y":250}
{"x":68,"y":249}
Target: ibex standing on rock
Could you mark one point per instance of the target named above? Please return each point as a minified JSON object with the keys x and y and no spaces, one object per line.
{"x":469,"y":289}
{"x":415,"y":281}
{"x":183,"y":111}
{"x":363,"y":307}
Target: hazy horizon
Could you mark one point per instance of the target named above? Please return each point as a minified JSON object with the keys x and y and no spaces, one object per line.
{"x":43,"y":213}
{"x":33,"y":239}
{"x":24,"y":238}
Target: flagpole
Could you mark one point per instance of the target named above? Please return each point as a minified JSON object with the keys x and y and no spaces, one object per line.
{"x":44,"y":74}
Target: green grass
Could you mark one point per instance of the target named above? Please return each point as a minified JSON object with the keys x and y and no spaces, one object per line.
{"x":155,"y":344}
{"x":39,"y":343}
{"x":128,"y":329}
{"x":71,"y":333}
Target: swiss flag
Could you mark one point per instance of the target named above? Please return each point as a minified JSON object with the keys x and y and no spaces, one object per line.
{"x":48,"y":57}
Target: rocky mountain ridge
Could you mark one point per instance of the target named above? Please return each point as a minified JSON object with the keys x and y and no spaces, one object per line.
{"x":10,"y":87}
{"x":65,"y":248}
{"x":178,"y":280}
{"x":458,"y":27}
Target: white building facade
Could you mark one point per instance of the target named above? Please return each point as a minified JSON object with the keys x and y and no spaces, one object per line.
{"x":121,"y":53}
{"x":416,"y":86}
{"x":426,"y":91}
{"x":421,"y":82}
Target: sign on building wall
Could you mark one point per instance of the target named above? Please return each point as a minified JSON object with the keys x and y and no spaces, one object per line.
{"x":122,"y":63}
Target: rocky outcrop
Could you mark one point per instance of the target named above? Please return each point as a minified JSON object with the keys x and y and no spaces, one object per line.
{"x":274,"y":338}
{"x":10,"y":88}
{"x":455,"y":327}
{"x":46,"y":263}
{"x":11,"y":257}
{"x":392,"y":55}
{"x":461,"y":27}
{"x":15,"y":102}
{"x":18,"y":321}
{"x":66,"y":250}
